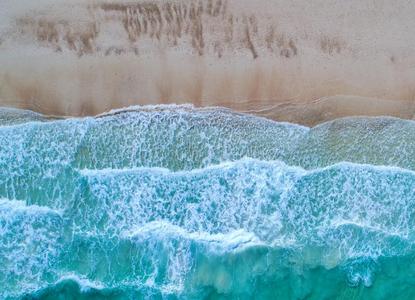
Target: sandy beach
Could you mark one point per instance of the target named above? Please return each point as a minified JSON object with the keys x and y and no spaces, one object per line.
{"x":303,"y":62}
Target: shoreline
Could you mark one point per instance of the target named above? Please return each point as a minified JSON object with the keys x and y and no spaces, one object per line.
{"x":302,"y":115}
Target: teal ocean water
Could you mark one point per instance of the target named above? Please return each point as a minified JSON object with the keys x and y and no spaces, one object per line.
{"x":172,"y":202}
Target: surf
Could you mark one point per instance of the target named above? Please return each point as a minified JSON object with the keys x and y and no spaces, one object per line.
{"x":174,"y":202}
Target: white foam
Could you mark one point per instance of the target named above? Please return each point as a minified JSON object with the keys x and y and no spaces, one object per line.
{"x":148,"y":107}
{"x":84,"y":283}
{"x":18,"y":206}
{"x":245,"y":160}
{"x":236,"y":239}
{"x":165,"y":171}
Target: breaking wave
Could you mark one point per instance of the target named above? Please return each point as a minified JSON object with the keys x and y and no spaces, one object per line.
{"x":173,"y":202}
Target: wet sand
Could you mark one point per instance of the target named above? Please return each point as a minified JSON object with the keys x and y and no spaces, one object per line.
{"x":297,"y":61}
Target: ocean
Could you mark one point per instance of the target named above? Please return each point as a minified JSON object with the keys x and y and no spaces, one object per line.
{"x":174,"y":202}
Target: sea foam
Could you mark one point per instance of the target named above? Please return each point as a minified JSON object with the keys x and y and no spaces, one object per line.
{"x":180,"y":203}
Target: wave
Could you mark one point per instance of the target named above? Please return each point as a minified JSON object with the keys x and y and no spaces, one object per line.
{"x":186,"y":232}
{"x":374,"y":140}
{"x":29,"y":245}
{"x":271,"y":285}
{"x":14,"y":116}
{"x":164,"y":202}
{"x":257,"y":272}
{"x":38,"y":156}
{"x":270,"y":199}
{"x":182,"y":137}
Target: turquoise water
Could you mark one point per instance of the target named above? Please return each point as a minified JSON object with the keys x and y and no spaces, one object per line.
{"x":172,"y":202}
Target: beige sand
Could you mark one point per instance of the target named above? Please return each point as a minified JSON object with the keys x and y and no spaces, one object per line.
{"x":287,"y":60}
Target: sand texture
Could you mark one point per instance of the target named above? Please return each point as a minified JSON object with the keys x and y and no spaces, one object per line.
{"x":297,"y":61}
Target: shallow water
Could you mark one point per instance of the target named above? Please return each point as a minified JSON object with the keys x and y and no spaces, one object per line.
{"x":172,"y":202}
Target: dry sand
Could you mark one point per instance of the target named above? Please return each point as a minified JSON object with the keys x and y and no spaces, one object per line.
{"x":298,"y":61}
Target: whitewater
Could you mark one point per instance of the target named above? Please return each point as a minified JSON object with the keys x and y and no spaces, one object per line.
{"x":178,"y":202}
